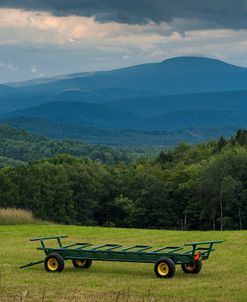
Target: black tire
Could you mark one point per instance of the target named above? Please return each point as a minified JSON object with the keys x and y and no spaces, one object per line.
{"x":192,"y":267}
{"x":82,"y":263}
{"x":54,"y":263}
{"x":164,"y":268}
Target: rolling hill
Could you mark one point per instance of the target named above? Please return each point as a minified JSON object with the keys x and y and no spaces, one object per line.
{"x":86,"y":114}
{"x":152,"y":106}
{"x":179,"y":95}
{"x":215,"y":110}
{"x":172,"y":76}
{"x":118,"y":137}
{"x":19,"y":146}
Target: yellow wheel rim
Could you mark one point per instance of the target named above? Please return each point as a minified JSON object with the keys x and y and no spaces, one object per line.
{"x":190,"y":266}
{"x":52,"y":264}
{"x":163,"y":269}
{"x":80,"y":263}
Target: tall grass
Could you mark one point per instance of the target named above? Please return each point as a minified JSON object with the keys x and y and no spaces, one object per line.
{"x":11,"y":216}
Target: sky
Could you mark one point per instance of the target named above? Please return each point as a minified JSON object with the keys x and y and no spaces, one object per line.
{"x":43,"y":38}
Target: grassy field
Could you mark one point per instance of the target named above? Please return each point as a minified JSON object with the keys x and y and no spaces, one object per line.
{"x":223,"y":277}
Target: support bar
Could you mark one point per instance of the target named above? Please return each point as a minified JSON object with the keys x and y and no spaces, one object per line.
{"x":142,"y":247}
{"x":47,"y":238}
{"x":32,"y":263}
{"x":186,"y":252}
{"x":203,"y":242}
{"x":83,"y":246}
{"x":70,"y":245}
{"x":98,"y":247}
{"x":206,"y":249}
{"x":113,"y":247}
{"x":171,"y":249}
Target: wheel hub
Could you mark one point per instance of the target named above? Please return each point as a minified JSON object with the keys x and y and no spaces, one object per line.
{"x":52,"y":264}
{"x":163,"y":269}
{"x":80,"y":262}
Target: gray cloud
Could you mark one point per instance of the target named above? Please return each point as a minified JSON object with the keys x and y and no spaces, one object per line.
{"x":211,"y":13}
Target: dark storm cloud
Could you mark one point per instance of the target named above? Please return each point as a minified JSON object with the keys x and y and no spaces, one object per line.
{"x":210,"y":13}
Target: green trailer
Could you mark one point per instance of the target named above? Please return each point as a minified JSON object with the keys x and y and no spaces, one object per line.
{"x":165,"y":259}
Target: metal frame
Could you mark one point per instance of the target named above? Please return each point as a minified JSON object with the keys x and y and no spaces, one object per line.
{"x":188,"y":253}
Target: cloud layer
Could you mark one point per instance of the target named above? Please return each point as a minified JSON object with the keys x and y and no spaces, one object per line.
{"x":48,"y":37}
{"x":210,"y":13}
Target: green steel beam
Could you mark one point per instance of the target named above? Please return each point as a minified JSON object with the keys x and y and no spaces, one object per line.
{"x":83,"y":246}
{"x":97,"y":247}
{"x":77,"y":244}
{"x":203,"y":242}
{"x":171,"y":249}
{"x":114,"y":246}
{"x":135,"y":247}
{"x":47,"y":238}
{"x":143,"y":249}
{"x":32,"y":263}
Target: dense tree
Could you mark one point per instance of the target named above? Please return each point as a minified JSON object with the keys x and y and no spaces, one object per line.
{"x":190,"y":187}
{"x":19,"y":146}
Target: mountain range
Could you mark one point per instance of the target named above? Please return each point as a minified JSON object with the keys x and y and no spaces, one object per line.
{"x":202,"y":97}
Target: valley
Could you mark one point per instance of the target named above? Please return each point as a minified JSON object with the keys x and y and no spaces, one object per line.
{"x":190,"y":99}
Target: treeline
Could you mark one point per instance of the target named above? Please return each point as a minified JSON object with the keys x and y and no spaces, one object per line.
{"x":21,"y":146}
{"x":199,"y":187}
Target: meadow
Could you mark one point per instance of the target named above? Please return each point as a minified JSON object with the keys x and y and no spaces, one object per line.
{"x":223,"y":276}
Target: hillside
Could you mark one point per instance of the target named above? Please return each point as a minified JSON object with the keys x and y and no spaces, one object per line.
{"x":198,"y":119}
{"x":124,"y":138}
{"x":187,"y":99}
{"x":85,"y":114}
{"x":156,"y":105}
{"x":19,"y":146}
{"x":199,"y":187}
{"x":210,"y":112}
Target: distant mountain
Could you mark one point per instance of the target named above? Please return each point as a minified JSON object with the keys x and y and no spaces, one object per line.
{"x":6,"y":90}
{"x":154,"y":102}
{"x":172,"y":76}
{"x":86,"y":114}
{"x":216,"y":110}
{"x":197,"y":64}
{"x":117,"y":137}
{"x":152,"y":106}
{"x":16,"y":99}
{"x":198,"y":119}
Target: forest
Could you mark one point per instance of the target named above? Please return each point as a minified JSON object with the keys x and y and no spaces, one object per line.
{"x":190,"y":187}
{"x":19,"y":146}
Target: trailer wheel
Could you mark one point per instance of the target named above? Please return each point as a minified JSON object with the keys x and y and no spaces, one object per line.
{"x":54,"y":263}
{"x":164,"y":268}
{"x":82,"y":263}
{"x":192,"y":267}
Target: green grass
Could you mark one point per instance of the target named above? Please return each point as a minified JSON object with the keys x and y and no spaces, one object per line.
{"x":223,"y":276}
